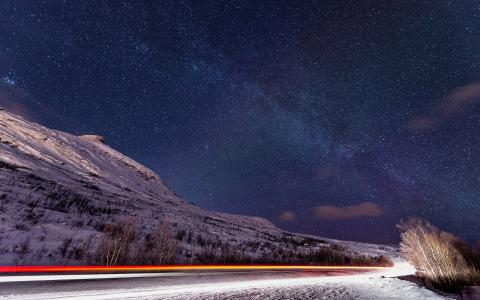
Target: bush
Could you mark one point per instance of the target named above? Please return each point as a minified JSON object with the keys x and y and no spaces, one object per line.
{"x":441,"y":258}
{"x":327,"y":255}
{"x":224,"y":255}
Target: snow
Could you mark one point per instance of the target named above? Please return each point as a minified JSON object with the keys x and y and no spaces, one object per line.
{"x":372,"y":285}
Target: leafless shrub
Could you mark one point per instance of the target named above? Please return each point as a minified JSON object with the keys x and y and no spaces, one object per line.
{"x":88,"y":249}
{"x":115,"y":246}
{"x":21,"y":226}
{"x":336,"y":255}
{"x":160,"y":247}
{"x":438,"y":256}
{"x":181,"y":235}
{"x":20,"y":252}
{"x":40,"y":252}
{"x":217,"y":252}
{"x":32,"y":215}
{"x":224,"y":255}
{"x":65,"y":246}
{"x":3,"y":246}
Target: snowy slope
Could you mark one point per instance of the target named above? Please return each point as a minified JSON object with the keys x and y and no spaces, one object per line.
{"x":55,"y":186}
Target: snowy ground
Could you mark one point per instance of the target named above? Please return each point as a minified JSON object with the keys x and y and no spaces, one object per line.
{"x":223,"y":285}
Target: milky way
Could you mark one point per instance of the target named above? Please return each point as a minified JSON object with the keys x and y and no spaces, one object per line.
{"x":335,"y":118}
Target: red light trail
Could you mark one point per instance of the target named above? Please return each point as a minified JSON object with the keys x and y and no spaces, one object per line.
{"x":167,"y":268}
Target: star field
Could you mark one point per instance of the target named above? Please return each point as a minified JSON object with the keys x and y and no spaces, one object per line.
{"x":279,"y":109}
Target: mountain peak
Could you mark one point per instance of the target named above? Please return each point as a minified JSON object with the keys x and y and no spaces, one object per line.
{"x":93,"y":138}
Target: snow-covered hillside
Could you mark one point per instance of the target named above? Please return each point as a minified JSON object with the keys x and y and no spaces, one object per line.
{"x":58,"y":188}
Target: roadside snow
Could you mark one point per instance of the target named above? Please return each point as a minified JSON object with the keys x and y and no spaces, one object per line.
{"x":373,"y":285}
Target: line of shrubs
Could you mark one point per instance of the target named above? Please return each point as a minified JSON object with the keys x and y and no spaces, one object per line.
{"x":162,"y":246}
{"x":123,"y":244}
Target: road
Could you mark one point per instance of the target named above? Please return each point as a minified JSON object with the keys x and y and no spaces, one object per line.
{"x":258,"y":284}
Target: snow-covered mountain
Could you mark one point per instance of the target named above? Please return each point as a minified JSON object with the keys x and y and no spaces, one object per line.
{"x":58,"y":188}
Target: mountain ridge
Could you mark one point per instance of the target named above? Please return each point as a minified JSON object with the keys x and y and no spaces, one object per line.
{"x":55,"y":186}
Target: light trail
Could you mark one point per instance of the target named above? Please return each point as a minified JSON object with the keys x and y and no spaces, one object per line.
{"x":168,"y":268}
{"x":209,"y":285}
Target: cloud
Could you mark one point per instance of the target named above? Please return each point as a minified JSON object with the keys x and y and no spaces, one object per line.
{"x":422,"y":123}
{"x":287,"y":216}
{"x":332,"y":212}
{"x":457,"y":102}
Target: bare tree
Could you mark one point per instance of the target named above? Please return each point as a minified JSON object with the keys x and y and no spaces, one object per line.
{"x":160,"y":247}
{"x":87,"y":248}
{"x":115,"y":246}
{"x":435,"y":254}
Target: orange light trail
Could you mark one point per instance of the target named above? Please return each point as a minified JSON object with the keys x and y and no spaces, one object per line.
{"x":169,"y":268}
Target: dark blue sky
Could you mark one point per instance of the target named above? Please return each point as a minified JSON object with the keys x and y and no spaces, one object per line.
{"x":267,"y":107}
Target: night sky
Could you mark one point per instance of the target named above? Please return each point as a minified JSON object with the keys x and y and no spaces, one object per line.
{"x":336,"y":118}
